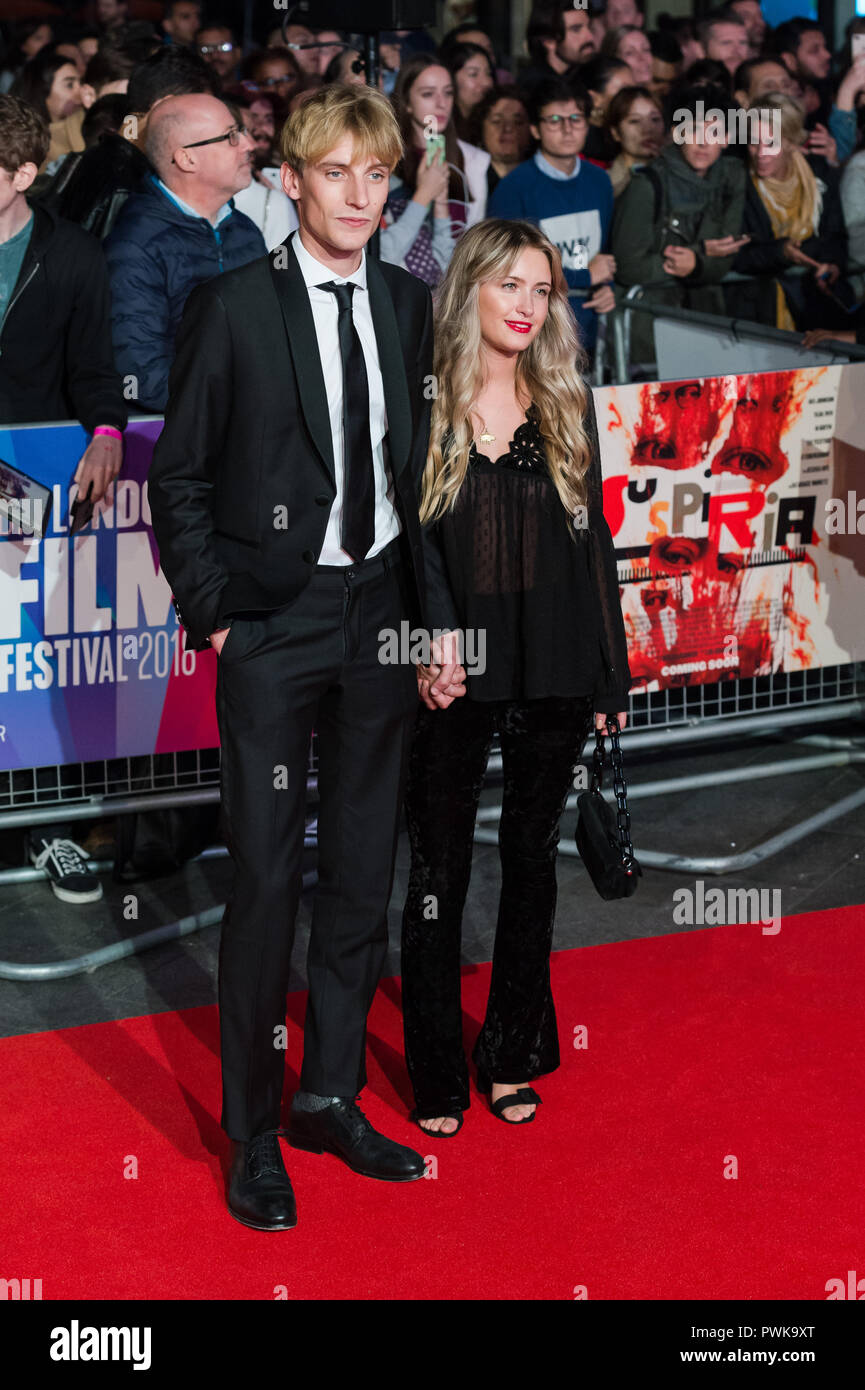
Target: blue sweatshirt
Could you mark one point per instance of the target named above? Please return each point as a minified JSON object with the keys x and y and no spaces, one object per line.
{"x":574,"y":210}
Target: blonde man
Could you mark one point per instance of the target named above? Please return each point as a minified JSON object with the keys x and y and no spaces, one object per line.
{"x":284,"y":496}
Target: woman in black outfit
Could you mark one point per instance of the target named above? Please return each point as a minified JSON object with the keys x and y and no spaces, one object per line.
{"x":512,"y":492}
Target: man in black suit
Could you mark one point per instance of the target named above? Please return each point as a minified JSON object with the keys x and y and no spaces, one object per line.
{"x":284,"y":493}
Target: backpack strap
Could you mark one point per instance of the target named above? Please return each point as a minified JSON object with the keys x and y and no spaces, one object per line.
{"x":657,"y":187}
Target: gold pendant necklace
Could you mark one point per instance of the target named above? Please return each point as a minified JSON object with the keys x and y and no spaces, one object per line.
{"x":486,"y":437}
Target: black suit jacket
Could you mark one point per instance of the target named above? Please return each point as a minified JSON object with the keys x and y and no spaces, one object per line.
{"x":242,"y":478}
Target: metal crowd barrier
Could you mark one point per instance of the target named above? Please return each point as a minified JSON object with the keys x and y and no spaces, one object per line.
{"x":118,"y":786}
{"x":602,"y":345}
{"x":761,"y":707}
{"x":617,"y":338}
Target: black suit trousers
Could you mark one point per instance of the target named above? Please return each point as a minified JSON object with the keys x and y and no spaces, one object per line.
{"x":313,"y":664}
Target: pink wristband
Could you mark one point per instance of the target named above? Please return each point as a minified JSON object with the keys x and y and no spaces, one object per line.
{"x":109,"y":430}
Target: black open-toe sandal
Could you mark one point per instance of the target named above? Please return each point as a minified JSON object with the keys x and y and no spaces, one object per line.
{"x":525,"y":1096}
{"x":444,"y":1115}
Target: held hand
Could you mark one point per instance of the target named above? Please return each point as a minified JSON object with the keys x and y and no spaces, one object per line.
{"x":601,"y":720}
{"x":724,"y":245}
{"x":826,"y":274}
{"x":434,"y":699}
{"x":456,"y":688}
{"x":601,"y":268}
{"x":99,"y":464}
{"x":445,"y":655}
{"x":425,"y":677}
{"x":443,"y":680}
{"x":679,"y":260}
{"x":432,"y":182}
{"x":442,"y":696}
{"x":217,"y":639}
{"x":603,"y":301}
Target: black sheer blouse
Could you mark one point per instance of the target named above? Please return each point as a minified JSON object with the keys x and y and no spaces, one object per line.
{"x":541,"y":593}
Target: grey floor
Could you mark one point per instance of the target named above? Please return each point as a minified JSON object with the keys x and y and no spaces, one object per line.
{"x":825,"y":870}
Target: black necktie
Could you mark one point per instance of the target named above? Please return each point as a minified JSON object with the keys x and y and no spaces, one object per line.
{"x":358,"y":496}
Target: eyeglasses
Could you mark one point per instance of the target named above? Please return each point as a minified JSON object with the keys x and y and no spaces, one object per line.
{"x":575,"y":118}
{"x":249,"y":86}
{"x":207,"y":48}
{"x":233,"y":136}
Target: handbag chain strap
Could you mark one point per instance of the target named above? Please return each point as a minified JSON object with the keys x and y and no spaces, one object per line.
{"x":620,"y":786}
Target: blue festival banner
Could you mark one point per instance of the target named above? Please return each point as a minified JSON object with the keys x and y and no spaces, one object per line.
{"x":92,"y":660}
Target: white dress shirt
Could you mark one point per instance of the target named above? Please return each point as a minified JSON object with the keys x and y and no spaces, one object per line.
{"x":325,"y":312}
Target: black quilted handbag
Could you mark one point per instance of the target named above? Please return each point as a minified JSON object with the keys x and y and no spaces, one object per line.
{"x":604,"y":835}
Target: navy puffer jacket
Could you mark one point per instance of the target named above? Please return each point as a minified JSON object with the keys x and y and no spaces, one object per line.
{"x":157,"y":254}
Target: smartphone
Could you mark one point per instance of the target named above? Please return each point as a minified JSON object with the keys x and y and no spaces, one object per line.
{"x":434,"y":143}
{"x":857,"y":45}
{"x":24,"y":503}
{"x":672,"y":229}
{"x":81,"y":511}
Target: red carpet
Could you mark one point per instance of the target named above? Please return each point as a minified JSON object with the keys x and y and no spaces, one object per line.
{"x":701,"y":1045}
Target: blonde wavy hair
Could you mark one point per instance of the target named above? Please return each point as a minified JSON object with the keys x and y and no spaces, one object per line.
{"x":548,"y":370}
{"x":792,"y":115}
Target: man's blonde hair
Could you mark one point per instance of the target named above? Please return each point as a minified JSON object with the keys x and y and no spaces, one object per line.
{"x":321,"y":121}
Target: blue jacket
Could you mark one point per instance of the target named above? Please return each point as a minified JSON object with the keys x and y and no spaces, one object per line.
{"x":574,"y":213}
{"x":157,"y":254}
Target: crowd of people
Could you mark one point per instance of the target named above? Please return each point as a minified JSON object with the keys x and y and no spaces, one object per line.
{"x":597,"y":132}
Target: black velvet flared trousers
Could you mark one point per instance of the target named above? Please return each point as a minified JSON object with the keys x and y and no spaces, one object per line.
{"x":541,"y":742}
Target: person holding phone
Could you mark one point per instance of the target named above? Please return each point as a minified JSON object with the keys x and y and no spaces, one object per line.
{"x":793,"y":216}
{"x":843,"y":123}
{"x":439,"y":187}
{"x":678,"y":224}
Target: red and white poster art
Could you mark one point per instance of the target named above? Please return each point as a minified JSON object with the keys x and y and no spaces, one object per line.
{"x":734,"y":507}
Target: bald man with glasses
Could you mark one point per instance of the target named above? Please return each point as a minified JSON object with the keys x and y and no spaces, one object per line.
{"x":180,"y":229}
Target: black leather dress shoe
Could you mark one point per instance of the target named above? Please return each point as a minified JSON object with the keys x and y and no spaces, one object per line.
{"x":343,"y":1129}
{"x":259,"y":1191}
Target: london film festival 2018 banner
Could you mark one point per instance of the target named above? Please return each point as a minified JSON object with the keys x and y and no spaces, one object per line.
{"x":92,"y":661}
{"x":733,"y":504}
